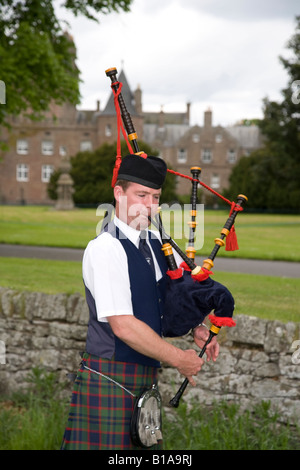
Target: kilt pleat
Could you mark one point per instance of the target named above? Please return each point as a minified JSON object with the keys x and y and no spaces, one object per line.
{"x":100,"y":411}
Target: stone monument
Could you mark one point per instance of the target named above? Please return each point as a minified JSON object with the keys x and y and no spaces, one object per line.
{"x":65,"y":188}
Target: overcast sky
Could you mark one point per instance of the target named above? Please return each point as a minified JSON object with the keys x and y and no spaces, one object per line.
{"x":222,"y":54}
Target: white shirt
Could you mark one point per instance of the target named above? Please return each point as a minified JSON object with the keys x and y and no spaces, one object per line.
{"x":105,"y":272}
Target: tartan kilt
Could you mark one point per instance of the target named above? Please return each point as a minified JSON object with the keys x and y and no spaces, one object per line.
{"x":100,"y":411}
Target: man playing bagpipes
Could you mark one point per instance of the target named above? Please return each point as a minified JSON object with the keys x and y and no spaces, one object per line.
{"x":139,"y":291}
{"x":125,"y":292}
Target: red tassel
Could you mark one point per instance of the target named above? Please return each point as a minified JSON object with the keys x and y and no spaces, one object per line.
{"x":176,"y":274}
{"x":231,"y":240}
{"x":221,"y":321}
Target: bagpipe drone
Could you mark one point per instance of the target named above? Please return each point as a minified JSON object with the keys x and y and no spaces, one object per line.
{"x":191,"y":294}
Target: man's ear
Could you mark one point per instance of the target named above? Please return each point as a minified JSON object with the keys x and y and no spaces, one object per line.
{"x":118,"y":192}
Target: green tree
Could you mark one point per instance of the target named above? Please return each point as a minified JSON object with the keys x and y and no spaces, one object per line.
{"x":270,"y":177}
{"x":92,"y":174}
{"x":257,"y":177}
{"x":37,"y":58}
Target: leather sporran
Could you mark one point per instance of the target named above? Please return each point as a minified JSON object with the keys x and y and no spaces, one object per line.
{"x":145,"y":428}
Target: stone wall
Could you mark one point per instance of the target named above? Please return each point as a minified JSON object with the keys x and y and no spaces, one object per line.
{"x":39,"y":330}
{"x":257,"y":357}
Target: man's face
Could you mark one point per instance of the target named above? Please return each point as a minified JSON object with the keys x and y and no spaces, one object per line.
{"x":136,"y":204}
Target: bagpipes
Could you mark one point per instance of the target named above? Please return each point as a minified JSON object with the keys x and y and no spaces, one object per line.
{"x":191,"y":294}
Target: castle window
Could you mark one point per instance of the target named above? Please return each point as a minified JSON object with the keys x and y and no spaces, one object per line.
{"x":85,"y":145}
{"x":215,"y":181}
{"x":47,"y":171}
{"x":108,"y":131}
{"x":62,"y":150}
{"x":47,"y":147}
{"x":219,"y":138}
{"x":22,"y":172}
{"x":22,"y":147}
{"x":206,"y":155}
{"x":231,"y":156}
{"x":181,"y":156}
{"x":196,"y":138}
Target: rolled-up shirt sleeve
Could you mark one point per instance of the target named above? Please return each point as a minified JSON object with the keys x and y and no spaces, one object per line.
{"x":105,"y":274}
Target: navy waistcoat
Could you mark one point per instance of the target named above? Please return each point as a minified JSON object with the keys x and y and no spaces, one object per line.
{"x":148,"y":297}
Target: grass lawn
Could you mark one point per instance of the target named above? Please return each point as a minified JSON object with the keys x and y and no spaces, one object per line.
{"x":272,"y":298}
{"x":41,"y":225}
{"x":34,"y":419}
{"x":260,"y":236}
{"x":268,"y":297}
{"x":37,"y":275}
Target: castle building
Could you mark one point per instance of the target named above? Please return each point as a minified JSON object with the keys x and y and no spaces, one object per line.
{"x":36,"y":149}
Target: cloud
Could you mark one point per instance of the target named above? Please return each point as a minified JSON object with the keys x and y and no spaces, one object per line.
{"x":254,"y":10}
{"x":207,"y":52}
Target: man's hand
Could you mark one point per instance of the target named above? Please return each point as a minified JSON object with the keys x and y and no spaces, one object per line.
{"x":190,"y":364}
{"x":139,"y":336}
{"x":201,"y":334}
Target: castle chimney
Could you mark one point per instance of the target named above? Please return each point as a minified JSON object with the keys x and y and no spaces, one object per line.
{"x":208,"y":118}
{"x":188,"y":110}
{"x":138,"y":100}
